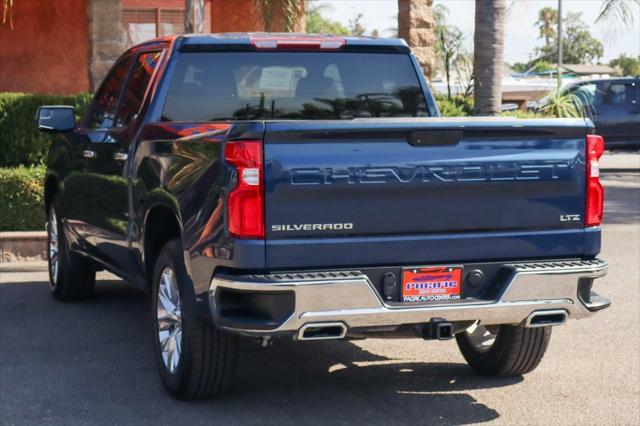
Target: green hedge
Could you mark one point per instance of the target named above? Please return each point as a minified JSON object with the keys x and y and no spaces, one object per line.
{"x":20,"y":141}
{"x":457,"y":106}
{"x":22,"y":198}
{"x":461,"y":106}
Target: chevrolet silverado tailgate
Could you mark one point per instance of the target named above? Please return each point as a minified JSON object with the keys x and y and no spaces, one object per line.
{"x":409,"y":191}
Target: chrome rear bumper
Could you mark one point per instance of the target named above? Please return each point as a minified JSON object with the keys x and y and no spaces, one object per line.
{"x":348,"y":297}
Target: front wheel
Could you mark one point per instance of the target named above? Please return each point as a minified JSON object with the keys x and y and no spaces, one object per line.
{"x":195,"y":359}
{"x":503,"y":350}
{"x":71,"y":277}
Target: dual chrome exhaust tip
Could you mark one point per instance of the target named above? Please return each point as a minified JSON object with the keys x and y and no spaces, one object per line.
{"x":439,"y":330}
{"x":322,"y":331}
{"x":546,"y":318}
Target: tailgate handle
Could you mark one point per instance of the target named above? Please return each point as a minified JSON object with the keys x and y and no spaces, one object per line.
{"x":435,"y":137}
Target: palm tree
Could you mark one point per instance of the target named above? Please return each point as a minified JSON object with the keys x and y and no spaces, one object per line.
{"x":488,"y":54}
{"x":193,"y":16}
{"x":617,"y":10}
{"x":546,"y":23}
{"x":288,"y":12}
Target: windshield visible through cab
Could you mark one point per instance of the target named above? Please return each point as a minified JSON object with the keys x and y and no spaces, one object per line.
{"x":293,"y":85}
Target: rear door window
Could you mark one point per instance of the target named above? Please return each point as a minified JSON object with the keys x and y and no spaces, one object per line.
{"x":293,"y":85}
{"x":620,"y":94}
{"x":136,"y":87}
{"x":105,"y":104}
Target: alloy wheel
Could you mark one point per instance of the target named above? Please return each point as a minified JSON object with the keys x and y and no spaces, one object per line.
{"x":54,"y":252}
{"x":169,"y":315}
{"x":482,"y":338}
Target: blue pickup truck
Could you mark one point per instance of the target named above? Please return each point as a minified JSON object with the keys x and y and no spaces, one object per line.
{"x":303,"y":187}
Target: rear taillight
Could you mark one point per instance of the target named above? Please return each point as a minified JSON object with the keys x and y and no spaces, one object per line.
{"x":245,"y":205}
{"x":595,"y":192}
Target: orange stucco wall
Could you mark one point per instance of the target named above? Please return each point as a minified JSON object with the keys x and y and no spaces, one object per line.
{"x":48,"y":49}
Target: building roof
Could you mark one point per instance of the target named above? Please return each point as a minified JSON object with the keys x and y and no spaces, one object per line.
{"x":587,"y":69}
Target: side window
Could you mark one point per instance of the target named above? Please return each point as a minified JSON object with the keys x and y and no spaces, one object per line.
{"x":136,"y":87}
{"x":620,"y":94}
{"x":586,"y":94}
{"x":103,"y":112}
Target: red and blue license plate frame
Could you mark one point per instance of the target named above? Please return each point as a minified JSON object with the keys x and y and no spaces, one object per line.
{"x":431,"y":284}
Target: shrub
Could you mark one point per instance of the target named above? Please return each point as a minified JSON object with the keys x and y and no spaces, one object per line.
{"x":523,"y":114}
{"x":562,"y":105}
{"x":457,"y":106}
{"x":22,"y":198}
{"x":20,"y":141}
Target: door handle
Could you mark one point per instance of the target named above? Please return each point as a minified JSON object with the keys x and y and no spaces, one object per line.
{"x":120,"y":156}
{"x":89,"y":154}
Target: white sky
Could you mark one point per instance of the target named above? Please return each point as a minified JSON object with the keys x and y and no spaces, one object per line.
{"x":521,"y":35}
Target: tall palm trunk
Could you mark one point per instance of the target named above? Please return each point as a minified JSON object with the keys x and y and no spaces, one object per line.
{"x":194,"y":16}
{"x":488,"y":54}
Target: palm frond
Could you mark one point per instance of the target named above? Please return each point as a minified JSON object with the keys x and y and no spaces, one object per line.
{"x":618,"y":11}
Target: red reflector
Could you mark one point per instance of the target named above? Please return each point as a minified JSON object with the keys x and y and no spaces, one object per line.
{"x":245,"y":205}
{"x":304,"y":42}
{"x":595,"y":191}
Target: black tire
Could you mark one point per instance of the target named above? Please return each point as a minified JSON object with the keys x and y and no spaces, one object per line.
{"x":515,"y":351}
{"x":207,"y":361}
{"x":75,"y":276}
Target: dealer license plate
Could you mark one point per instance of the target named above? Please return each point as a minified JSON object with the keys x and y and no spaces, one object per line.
{"x":432,"y":284}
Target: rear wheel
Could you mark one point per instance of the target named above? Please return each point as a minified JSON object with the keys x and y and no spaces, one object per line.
{"x":503,"y":350}
{"x":71,"y":277}
{"x":195,"y":359}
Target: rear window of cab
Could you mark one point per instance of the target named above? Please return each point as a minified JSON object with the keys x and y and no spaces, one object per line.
{"x":216,"y":86}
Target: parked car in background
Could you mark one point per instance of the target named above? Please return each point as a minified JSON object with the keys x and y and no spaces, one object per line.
{"x":613,"y":104}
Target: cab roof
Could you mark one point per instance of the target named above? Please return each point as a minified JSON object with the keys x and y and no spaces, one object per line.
{"x":277,"y":41}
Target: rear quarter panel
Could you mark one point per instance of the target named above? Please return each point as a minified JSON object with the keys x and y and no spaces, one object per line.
{"x":180,"y":166}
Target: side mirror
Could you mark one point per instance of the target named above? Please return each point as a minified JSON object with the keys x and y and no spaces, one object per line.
{"x":54,"y":118}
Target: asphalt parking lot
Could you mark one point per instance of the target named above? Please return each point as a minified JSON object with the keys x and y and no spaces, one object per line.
{"x":91,"y":363}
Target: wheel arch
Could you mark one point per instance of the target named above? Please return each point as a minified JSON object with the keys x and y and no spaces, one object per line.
{"x":51,"y":188}
{"x":161,"y":224}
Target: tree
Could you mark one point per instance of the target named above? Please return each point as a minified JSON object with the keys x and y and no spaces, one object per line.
{"x":318,"y":24}
{"x":520,"y":67}
{"x":355,"y":26}
{"x":578,"y":45}
{"x":488,"y":53}
{"x":542,"y":66}
{"x":448,"y":44}
{"x":194,"y":16}
{"x":546,"y":23}
{"x":289,"y":13}
{"x":626,"y":65}
{"x":620,"y":11}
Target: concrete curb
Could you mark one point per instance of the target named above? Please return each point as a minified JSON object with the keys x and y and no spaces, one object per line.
{"x":620,"y":162}
{"x":22,"y":245}
{"x":23,"y":267}
{"x":623,"y":170}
